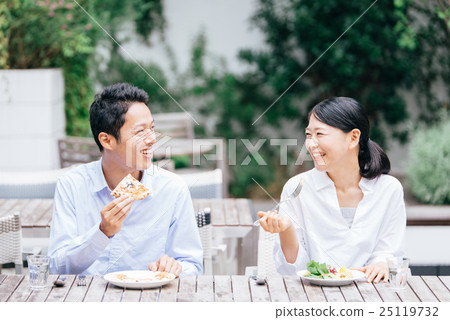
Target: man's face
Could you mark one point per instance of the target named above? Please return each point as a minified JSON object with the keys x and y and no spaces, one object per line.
{"x":136,"y":138}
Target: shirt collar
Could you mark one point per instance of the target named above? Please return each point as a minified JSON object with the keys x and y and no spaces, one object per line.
{"x":322,"y":180}
{"x":98,"y":178}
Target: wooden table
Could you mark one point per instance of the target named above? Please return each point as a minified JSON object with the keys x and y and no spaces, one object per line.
{"x":226,"y":288}
{"x":231,"y":218}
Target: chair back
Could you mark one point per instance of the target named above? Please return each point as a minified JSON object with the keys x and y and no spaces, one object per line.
{"x":174,"y":124}
{"x":204,"y":229}
{"x":74,"y":150}
{"x":266,"y":263}
{"x":11,"y":241}
{"x":204,"y":184}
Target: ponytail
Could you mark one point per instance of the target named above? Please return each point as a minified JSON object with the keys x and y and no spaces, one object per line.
{"x":373,"y":161}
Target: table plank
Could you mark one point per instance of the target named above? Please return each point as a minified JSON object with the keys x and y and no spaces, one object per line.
{"x":421,"y":289}
{"x":2,"y":277}
{"x":222,"y":292}
{"x":58,"y":294}
{"x":169,"y":291}
{"x":96,"y":289}
{"x":131,"y":295}
{"x":217,"y":212}
{"x":187,"y":289}
{"x":313,"y":292}
{"x":22,"y":292}
{"x":258,"y":292}
{"x":150,"y":295}
{"x":45,"y":218}
{"x":34,"y":210}
{"x":9,"y":285}
{"x":438,"y":288}
{"x":333,"y":294}
{"x":408,"y":295}
{"x":8,"y":207}
{"x":29,"y":207}
{"x":351,"y":293}
{"x":41,"y":296}
{"x":277,"y":289}
{"x":245,"y":212}
{"x":368,"y":291}
{"x":386,"y":293}
{"x":113,"y":293}
{"x":445,"y":280}
{"x":205,"y":289}
{"x":294,"y":289}
{"x":241,"y":289}
{"x":231,"y":213}
{"x":78,"y":293}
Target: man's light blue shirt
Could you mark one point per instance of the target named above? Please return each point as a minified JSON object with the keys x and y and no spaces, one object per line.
{"x":162,"y":223}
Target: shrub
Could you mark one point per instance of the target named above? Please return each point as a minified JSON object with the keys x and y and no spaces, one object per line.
{"x":428,"y":171}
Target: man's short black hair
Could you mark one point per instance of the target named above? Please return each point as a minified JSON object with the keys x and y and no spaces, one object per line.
{"x":107,"y":112}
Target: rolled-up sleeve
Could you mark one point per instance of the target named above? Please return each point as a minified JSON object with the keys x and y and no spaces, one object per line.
{"x":71,"y":253}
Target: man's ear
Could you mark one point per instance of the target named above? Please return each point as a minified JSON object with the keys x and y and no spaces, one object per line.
{"x":106,"y":140}
{"x":355,"y":134}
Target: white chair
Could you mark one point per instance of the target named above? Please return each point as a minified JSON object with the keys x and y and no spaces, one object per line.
{"x":11,"y":241}
{"x":265,"y":264}
{"x":34,"y":184}
{"x":204,"y":184}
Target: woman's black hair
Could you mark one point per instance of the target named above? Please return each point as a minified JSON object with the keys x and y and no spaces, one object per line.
{"x":347,"y":114}
{"x":107,"y":112}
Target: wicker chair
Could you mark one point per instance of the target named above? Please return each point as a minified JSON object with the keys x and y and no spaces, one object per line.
{"x":266,"y":263}
{"x":11,"y":241}
{"x":205,"y":232}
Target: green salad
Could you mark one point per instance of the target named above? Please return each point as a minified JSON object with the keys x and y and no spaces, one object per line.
{"x":320,"y":270}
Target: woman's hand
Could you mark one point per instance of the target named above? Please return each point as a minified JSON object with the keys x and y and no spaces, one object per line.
{"x":273,"y":222}
{"x":376,"y":271}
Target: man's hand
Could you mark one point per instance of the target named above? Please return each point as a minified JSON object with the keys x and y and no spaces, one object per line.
{"x":375,"y":272}
{"x":166,"y":263}
{"x":114,"y":213}
{"x":273,"y":222}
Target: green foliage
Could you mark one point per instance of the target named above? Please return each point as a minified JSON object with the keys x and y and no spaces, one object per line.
{"x":428,"y":164}
{"x":64,"y":34}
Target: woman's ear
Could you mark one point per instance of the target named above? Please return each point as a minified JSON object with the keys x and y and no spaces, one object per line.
{"x":106,"y":140}
{"x":355,"y":134}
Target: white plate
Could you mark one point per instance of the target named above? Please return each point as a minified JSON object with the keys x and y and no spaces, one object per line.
{"x":138,"y":279}
{"x":357,"y":275}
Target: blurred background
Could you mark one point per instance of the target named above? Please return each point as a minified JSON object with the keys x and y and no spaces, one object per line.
{"x":227,"y":62}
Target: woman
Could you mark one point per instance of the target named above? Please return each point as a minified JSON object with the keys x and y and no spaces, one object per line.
{"x":349,"y":212}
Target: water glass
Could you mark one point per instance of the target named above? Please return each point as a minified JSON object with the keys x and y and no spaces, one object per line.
{"x":38,"y":267}
{"x":398,"y":272}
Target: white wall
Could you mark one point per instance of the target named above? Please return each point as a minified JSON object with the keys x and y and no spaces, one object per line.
{"x":225,"y":23}
{"x":31,"y":119}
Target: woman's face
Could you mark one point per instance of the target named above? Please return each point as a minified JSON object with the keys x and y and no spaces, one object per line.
{"x":329,"y":147}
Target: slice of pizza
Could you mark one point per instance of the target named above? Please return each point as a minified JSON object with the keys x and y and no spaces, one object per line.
{"x":129,"y":185}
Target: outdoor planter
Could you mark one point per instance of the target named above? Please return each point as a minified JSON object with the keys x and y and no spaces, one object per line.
{"x":32,"y":118}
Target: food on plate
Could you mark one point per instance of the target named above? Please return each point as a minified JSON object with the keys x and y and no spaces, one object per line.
{"x":323,"y":271}
{"x":129,"y":185}
{"x":155,"y":277}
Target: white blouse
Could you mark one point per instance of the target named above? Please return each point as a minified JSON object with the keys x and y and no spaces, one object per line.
{"x":377,"y":231}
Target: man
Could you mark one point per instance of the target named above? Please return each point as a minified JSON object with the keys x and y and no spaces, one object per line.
{"x":94,"y":233}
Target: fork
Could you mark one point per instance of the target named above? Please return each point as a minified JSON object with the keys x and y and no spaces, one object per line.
{"x":292,"y":196}
{"x":81,"y":280}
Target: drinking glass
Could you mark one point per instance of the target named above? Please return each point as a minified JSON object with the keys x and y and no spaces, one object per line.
{"x":398,"y":272}
{"x":38,"y":267}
